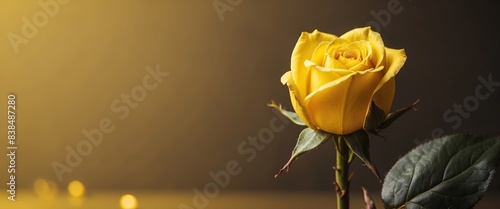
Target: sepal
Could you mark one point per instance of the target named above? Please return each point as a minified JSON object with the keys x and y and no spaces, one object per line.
{"x":292,"y":116}
{"x":308,"y":140}
{"x":359,"y":143}
{"x":391,"y":117}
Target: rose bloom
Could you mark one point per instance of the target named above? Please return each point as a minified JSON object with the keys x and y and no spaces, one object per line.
{"x":334,"y":80}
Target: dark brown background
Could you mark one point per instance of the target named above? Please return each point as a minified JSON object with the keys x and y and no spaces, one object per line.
{"x":222,"y":75}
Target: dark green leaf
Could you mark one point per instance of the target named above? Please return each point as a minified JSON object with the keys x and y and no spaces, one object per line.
{"x":449,"y":172}
{"x":308,"y":140}
{"x":395,"y":115}
{"x":375,"y":117}
{"x":289,"y":114}
{"x":359,"y":143}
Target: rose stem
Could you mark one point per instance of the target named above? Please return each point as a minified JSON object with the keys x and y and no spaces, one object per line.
{"x":342,"y":173}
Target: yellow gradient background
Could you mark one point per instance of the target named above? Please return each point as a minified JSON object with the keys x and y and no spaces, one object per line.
{"x":221,"y":75}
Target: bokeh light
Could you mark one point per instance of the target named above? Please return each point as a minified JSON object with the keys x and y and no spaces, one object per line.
{"x":45,"y":188}
{"x":128,"y":201}
{"x":76,"y":189}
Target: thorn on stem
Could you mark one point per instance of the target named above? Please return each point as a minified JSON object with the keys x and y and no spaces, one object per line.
{"x":342,"y":193}
{"x":337,"y":188}
{"x":350,"y":176}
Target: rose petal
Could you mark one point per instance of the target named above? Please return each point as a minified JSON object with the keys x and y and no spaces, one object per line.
{"x":362,"y":49}
{"x":384,"y":93}
{"x":295,"y":97}
{"x":349,"y":63}
{"x":384,"y":96}
{"x":366,"y":51}
{"x":319,"y":76}
{"x":304,"y":49}
{"x":340,"y":106}
{"x":366,"y":34}
{"x":395,"y":59}
{"x":318,"y":56}
{"x":285,"y":77}
{"x":331,"y":62}
{"x":331,"y":59}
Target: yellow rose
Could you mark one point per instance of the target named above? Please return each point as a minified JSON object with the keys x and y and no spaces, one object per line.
{"x":333,"y":80}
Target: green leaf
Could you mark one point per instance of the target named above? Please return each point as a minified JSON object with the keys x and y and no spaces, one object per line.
{"x":359,"y":143}
{"x":289,"y":114}
{"x":395,"y":115}
{"x":449,"y":172}
{"x":308,"y":140}
{"x":374,"y":118}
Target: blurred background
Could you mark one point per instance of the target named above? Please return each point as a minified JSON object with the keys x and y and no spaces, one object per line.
{"x":213,"y":67}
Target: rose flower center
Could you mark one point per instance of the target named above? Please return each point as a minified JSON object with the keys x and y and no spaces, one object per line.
{"x":348,"y":57}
